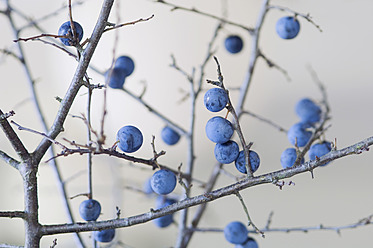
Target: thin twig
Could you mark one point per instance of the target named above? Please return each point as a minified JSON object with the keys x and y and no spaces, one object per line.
{"x":39,"y":133}
{"x":250,"y":221}
{"x":305,"y":16}
{"x":363,"y":222}
{"x":269,"y":122}
{"x":271,"y":64}
{"x":129,"y":23}
{"x":194,"y":10}
{"x":9,"y":160}
{"x":12,"y":214}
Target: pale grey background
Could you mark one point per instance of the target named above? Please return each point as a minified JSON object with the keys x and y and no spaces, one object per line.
{"x":342,"y":55}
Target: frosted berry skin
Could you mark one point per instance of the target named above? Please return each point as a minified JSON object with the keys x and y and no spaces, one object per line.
{"x":130,"y":139}
{"x":166,"y":220}
{"x":104,"y":236}
{"x":227,"y":152}
{"x":219,"y":130}
{"x":90,"y":210}
{"x":65,"y":29}
{"x":126,"y":64}
{"x":254,"y":161}
{"x":163,"y":182}
{"x":319,"y":150}
{"x":235,"y":232}
{"x":215,"y":99}
{"x":287,"y":27}
{"x":288,"y":158}
{"x":308,"y":111}
{"x":169,"y":136}
{"x":300,"y":133}
{"x":115,"y":78}
{"x":233,"y":44}
{"x":249,"y":243}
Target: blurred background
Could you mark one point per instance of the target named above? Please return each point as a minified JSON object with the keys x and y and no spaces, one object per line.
{"x":341,"y":55}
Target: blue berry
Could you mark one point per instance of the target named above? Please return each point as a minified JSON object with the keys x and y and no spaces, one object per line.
{"x":130,"y":139}
{"x":117,"y":78}
{"x":287,"y":27}
{"x":104,"y":236}
{"x":249,"y":243}
{"x":170,"y":136}
{"x":147,"y":188}
{"x":235,"y":232}
{"x":163,"y":182}
{"x":227,"y":152}
{"x":90,"y":210}
{"x":288,"y":158}
{"x":319,"y":150}
{"x":300,"y":133}
{"x":215,"y":99}
{"x":126,"y":64}
{"x":166,"y":220}
{"x":233,"y":44}
{"x":65,"y":29}
{"x":219,"y":130}
{"x":254,"y":161}
{"x":307,"y":110}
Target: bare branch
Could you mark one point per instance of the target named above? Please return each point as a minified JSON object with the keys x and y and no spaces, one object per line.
{"x":271,"y":64}
{"x":9,"y":160}
{"x":305,"y":16}
{"x":250,"y":221}
{"x":76,"y":82}
{"x":194,"y":10}
{"x":269,"y":122}
{"x":211,"y":196}
{"x":12,"y":214}
{"x":13,"y":138}
{"x":363,"y":222}
{"x":129,"y":23}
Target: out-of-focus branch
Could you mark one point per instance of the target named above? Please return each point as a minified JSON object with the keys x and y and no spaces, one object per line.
{"x":361,"y":223}
{"x":195,"y":90}
{"x":271,"y":64}
{"x":305,"y":16}
{"x":260,"y":118}
{"x":172,"y":124}
{"x":253,"y":58}
{"x":194,"y":10}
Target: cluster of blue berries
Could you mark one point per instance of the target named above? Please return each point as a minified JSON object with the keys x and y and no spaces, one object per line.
{"x":123,"y":67}
{"x":220,"y":130}
{"x":300,"y":133}
{"x":236,"y":233}
{"x":129,"y":139}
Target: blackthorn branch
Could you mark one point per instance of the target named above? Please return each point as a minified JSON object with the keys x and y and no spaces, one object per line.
{"x":28,"y":162}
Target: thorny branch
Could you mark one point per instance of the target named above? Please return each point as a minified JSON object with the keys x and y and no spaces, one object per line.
{"x":363,"y":222}
{"x":268,"y":178}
